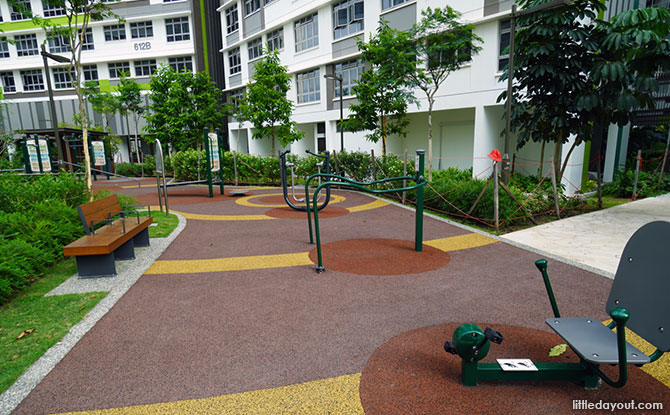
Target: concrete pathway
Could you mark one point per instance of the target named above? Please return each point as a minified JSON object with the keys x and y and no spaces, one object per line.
{"x":595,"y":239}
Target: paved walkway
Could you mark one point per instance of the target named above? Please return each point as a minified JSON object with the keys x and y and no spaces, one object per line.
{"x":595,"y":239}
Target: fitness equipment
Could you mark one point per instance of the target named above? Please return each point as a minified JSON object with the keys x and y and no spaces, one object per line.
{"x":333,"y":179}
{"x":214,"y":161}
{"x":638,"y":301}
{"x":325,"y":164}
{"x":36,"y":157}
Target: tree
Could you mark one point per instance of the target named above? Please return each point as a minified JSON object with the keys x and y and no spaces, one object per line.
{"x":182,"y":105}
{"x":104,"y":103}
{"x":78,"y":14}
{"x":573,"y":71}
{"x":265,"y":104}
{"x":382,"y":97}
{"x":130,"y":102}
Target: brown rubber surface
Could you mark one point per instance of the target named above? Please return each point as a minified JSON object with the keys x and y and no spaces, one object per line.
{"x":185,"y":336}
{"x":379,"y":257}
{"x":186,"y":196}
{"x":290,"y":213}
{"x":412,"y":374}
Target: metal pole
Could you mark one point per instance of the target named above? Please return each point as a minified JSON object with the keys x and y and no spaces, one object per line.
{"x":219,"y":148}
{"x":36,"y":140}
{"x":665,"y":158}
{"x":418,"y":228}
{"x":555,"y":188}
{"x":235,"y":166}
{"x":341,"y":115}
{"x":510,"y":79}
{"x":52,"y":107}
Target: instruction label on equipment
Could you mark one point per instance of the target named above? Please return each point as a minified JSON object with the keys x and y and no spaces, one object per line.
{"x":98,"y":153}
{"x":213,"y":151}
{"x":517,"y":365}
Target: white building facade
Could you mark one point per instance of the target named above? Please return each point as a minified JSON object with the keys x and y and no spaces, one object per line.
{"x":315,"y":38}
{"x":151,"y":33}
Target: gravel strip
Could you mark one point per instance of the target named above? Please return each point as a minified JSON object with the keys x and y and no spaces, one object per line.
{"x":128,"y":272}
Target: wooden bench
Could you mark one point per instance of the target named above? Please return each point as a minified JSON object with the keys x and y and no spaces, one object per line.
{"x":96,"y":251}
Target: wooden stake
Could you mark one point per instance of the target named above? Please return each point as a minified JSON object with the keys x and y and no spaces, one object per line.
{"x":555,"y":188}
{"x":374,"y":167}
{"x":404,"y":181}
{"x":486,"y":186}
{"x":496,"y":191}
{"x":638,"y":164}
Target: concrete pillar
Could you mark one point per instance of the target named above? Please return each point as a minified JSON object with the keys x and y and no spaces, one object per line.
{"x":617,"y":147}
{"x":488,"y":125}
{"x":573,"y":172}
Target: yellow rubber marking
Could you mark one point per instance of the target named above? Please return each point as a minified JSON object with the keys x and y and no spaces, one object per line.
{"x":660,"y":369}
{"x":456,"y":243}
{"x":372,"y":205}
{"x":240,"y":263}
{"x":337,"y":395}
{"x":138,"y":187}
{"x":200,"y":216}
{"x":246,"y":201}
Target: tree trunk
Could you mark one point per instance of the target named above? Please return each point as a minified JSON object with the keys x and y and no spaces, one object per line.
{"x":140,"y":155}
{"x":557,"y":157}
{"x":430,"y":138}
{"x":84,"y":141}
{"x":383,"y":136}
{"x":541,"y":168}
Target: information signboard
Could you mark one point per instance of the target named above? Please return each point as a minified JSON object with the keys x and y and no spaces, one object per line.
{"x":213,"y":142}
{"x":98,"y":153}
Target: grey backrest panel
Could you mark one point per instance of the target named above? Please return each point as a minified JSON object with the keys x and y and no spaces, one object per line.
{"x":642,"y":283}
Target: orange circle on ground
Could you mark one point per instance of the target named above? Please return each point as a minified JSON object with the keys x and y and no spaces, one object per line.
{"x":379,"y":257}
{"x":290,"y":213}
{"x":412,"y":374}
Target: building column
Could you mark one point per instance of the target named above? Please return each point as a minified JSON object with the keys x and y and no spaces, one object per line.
{"x":488,"y":124}
{"x":617,"y":148}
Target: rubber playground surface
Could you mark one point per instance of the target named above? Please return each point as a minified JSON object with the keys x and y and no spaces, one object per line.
{"x":233,"y":318}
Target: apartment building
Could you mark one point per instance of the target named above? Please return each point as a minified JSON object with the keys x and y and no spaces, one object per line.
{"x":153,"y":32}
{"x":319,"y":37}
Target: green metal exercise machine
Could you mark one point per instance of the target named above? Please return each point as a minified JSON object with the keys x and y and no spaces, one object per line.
{"x":638,"y":301}
{"x":333,"y":179}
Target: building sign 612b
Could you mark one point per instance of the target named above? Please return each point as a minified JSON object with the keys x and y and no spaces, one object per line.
{"x":142,"y":45}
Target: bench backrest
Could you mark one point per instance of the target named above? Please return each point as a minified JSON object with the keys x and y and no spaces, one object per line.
{"x":642,"y":284}
{"x":97,"y":209}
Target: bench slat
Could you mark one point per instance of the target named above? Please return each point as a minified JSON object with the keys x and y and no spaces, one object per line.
{"x":107,"y":238}
{"x":98,"y":209}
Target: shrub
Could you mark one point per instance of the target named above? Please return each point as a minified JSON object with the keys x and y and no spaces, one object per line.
{"x":188,"y":163}
{"x":37,"y":218}
{"x":647,"y":184}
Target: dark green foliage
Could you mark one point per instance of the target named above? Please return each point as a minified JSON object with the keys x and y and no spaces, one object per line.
{"x":38,"y":217}
{"x":129,"y":169}
{"x":647,"y":184}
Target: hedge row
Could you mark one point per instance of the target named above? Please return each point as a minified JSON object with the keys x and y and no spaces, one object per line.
{"x":38,"y":217}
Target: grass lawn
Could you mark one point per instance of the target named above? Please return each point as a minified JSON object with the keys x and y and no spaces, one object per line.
{"x":163,"y":224}
{"x":49,"y":318}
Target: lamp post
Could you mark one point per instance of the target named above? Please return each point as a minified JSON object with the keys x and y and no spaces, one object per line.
{"x":510,"y":66}
{"x":52,"y":105}
{"x":339,"y":79}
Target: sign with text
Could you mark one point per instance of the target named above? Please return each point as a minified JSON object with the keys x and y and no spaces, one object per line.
{"x":213,"y":142}
{"x":44,"y":156}
{"x":98,"y":153}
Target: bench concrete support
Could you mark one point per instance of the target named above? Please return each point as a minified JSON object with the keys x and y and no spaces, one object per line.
{"x":142,"y":238}
{"x":93,"y":266}
{"x":125,"y":251}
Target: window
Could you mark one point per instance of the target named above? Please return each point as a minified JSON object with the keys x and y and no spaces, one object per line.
{"x":268,"y":1}
{"x":276,"y":40}
{"x":251,"y":6}
{"x":90,"y":72}
{"x":59,"y":44}
{"x":232,"y":19}
{"x":115,"y":32}
{"x":8,"y":84}
{"x":387,"y":4}
{"x":308,"y":86}
{"x":88,"y":40}
{"x":177,"y":29}
{"x":145,"y":67}
{"x":234,"y":61}
{"x":350,"y":72}
{"x":181,"y":63}
{"x":23,"y":6}
{"x":255,"y":48}
{"x":51,"y":10}
{"x":347,"y":18}
{"x":306,"y":33}
{"x":235,"y":96}
{"x":26,"y":45}
{"x":4,"y":48}
{"x":116,"y":68}
{"x":32,"y":80}
{"x":503,"y":54}
{"x":140,"y":30}
{"x":62,"y":78}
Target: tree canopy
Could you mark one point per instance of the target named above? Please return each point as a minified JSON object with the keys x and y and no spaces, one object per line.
{"x":183,"y":104}
{"x":265,"y":104}
{"x":573,"y":71}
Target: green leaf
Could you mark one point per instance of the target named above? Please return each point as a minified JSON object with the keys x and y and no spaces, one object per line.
{"x":558,"y":350}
